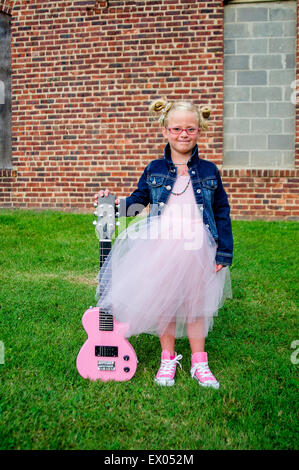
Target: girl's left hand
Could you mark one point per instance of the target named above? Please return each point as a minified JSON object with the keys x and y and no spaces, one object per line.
{"x":218,"y":267}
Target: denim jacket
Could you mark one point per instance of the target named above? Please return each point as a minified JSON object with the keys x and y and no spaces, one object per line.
{"x":155,"y":186}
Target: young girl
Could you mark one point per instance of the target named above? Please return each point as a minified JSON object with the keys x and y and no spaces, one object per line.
{"x":170,"y":270}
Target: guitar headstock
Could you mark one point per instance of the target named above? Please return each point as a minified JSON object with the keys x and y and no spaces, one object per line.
{"x":105,"y":213}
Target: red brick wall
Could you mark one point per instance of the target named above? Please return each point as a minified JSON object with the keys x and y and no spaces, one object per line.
{"x":82,"y":80}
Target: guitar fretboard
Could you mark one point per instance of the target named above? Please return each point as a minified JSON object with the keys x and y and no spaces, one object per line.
{"x":105,"y":247}
{"x":105,"y":321}
{"x":105,"y":318}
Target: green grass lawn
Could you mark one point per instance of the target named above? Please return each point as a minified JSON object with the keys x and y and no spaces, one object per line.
{"x":48,"y":268}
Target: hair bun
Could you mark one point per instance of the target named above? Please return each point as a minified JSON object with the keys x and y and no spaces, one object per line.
{"x":157,"y":106}
{"x":205,"y":111}
{"x":160,"y":106}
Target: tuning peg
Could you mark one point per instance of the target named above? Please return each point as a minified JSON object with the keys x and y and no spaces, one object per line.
{"x":94,"y":222}
{"x":95,"y":213}
{"x":116,"y":214}
{"x":95,"y":204}
{"x":117,"y":223}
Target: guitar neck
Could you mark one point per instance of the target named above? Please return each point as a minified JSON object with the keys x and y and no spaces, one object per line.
{"x":105,"y":318}
{"x":105,"y":247}
{"x":105,"y":228}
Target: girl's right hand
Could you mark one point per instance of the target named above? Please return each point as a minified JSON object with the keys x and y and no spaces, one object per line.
{"x":103,"y":193}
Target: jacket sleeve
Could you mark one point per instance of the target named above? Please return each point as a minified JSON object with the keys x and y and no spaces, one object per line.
{"x":140,"y":198}
{"x":221,"y":209}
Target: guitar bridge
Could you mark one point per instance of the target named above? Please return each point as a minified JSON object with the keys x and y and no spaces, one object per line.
{"x":106,"y":365}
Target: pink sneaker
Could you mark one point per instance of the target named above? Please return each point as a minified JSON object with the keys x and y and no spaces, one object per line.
{"x":166,"y":373}
{"x":201,"y":372}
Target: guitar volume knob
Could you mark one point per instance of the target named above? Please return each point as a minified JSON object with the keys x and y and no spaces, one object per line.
{"x":127,"y":369}
{"x":126,"y":358}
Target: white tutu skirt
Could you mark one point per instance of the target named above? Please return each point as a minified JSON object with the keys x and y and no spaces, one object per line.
{"x":160,"y":277}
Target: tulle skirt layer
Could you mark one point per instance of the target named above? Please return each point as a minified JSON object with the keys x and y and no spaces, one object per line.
{"x":160,"y":277}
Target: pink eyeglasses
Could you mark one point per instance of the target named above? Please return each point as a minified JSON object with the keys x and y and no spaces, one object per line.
{"x":179,"y":130}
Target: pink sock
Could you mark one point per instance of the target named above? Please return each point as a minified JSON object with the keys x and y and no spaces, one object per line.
{"x":166,"y":354}
{"x":199,"y":357}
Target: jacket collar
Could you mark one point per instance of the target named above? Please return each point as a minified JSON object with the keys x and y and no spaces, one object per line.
{"x":191,"y":162}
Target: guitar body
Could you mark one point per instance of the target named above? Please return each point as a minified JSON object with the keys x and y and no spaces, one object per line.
{"x":106,"y":355}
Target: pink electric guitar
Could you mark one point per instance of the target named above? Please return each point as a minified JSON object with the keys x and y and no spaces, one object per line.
{"x":106,"y":354}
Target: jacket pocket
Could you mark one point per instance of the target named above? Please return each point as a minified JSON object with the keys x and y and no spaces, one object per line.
{"x":210,"y":183}
{"x":208,"y":188}
{"x":155,"y":181}
{"x":156,"y":186}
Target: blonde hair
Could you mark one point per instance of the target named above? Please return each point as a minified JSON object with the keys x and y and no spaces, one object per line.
{"x":163,"y":108}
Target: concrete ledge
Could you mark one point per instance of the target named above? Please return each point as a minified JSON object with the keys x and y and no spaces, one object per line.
{"x":262,"y":172}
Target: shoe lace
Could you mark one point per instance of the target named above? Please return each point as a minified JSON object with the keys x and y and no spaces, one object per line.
{"x":167,"y":365}
{"x":202,"y":368}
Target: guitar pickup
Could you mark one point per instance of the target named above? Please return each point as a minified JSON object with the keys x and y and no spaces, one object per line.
{"x":106,"y":365}
{"x":106,"y":351}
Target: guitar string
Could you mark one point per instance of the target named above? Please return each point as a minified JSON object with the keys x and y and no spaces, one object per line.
{"x":105,"y":318}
